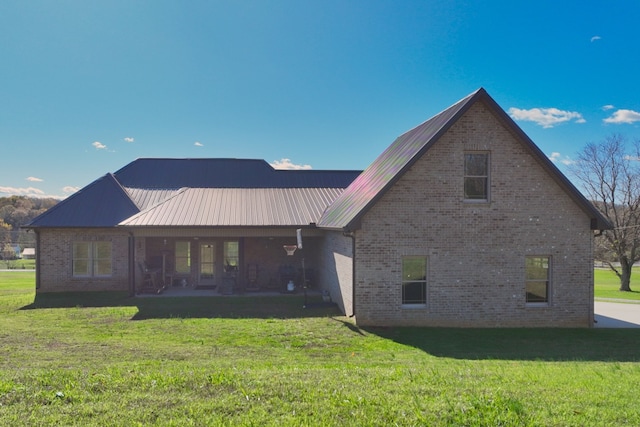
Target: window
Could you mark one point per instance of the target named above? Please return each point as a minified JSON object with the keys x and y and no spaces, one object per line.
{"x":183,"y":257}
{"x":414,"y":280}
{"x":537,"y":279}
{"x":92,"y":259}
{"x":231,"y":255}
{"x":476,"y":176}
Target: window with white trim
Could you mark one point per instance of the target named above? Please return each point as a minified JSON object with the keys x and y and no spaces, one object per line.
{"x":476,"y":176}
{"x":92,"y":259}
{"x":414,"y":280}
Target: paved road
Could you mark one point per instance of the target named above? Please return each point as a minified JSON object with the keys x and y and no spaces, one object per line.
{"x":610,"y":314}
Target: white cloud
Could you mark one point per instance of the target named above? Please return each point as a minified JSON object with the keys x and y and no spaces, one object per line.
{"x":608,"y":107}
{"x":546,"y":117}
{"x":623,"y":116}
{"x":286,"y":164}
{"x":34,"y":179}
{"x":594,"y":38}
{"x":99,"y":146}
{"x":129,"y":139}
{"x":21,"y":191}
{"x":198,"y":144}
{"x":556,"y":157}
{"x":69,"y":189}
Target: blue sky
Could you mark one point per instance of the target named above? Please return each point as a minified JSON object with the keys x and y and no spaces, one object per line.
{"x":87,"y":86}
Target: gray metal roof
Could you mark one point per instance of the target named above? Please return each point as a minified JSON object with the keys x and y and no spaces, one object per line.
{"x":103,"y":203}
{"x":234,"y":192}
{"x":148,"y":183}
{"x":368,"y":187}
{"x":225,"y":173}
{"x":222,"y":207}
{"x":145,"y":198}
{"x":365,"y":190}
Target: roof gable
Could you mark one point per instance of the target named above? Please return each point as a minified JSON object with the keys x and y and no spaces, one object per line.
{"x":103,"y":203}
{"x":385,"y":170}
{"x":346,"y":212}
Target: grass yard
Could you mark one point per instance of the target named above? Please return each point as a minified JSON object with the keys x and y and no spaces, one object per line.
{"x":112,"y":360}
{"x":18,"y":264}
{"x":607,"y":285}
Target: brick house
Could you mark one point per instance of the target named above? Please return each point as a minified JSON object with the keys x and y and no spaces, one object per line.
{"x":462,"y":221}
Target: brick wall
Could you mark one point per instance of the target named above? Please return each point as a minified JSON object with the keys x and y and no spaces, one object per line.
{"x":476,"y":251}
{"x":55,"y":261}
{"x":335,"y":273}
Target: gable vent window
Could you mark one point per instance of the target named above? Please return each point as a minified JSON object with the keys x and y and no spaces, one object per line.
{"x":476,"y":176}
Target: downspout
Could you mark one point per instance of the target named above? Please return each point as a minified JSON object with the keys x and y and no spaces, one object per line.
{"x":351,"y":234}
{"x":596,"y":234}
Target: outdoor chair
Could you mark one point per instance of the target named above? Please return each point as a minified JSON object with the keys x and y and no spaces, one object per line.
{"x":148,"y":281}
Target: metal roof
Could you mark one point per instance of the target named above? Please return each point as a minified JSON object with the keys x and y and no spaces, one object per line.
{"x":365,"y":190}
{"x":103,"y":203}
{"x":222,"y":207}
{"x":145,"y":198}
{"x":238,"y":192}
{"x":172,"y":188}
{"x":225,"y":173}
{"x":369,"y":186}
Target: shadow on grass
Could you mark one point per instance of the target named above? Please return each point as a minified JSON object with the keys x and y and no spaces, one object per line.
{"x":230,"y":307}
{"x":520,"y":344}
{"x":471,"y":344}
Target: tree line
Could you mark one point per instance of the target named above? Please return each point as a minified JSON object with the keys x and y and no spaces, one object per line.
{"x":16,"y":211}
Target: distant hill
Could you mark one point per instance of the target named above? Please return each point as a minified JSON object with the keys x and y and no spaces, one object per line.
{"x":16,"y":211}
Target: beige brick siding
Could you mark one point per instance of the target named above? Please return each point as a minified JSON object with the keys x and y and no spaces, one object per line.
{"x":55,"y":255}
{"x":476,"y":251}
{"x":336,"y":269}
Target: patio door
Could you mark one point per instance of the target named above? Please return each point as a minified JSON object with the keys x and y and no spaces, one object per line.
{"x":207,"y":271}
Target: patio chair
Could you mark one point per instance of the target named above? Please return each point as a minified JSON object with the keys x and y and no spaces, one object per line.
{"x":148,"y":281}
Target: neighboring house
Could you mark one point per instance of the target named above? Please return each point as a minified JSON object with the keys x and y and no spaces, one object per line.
{"x":462,"y":221}
{"x":29,"y":253}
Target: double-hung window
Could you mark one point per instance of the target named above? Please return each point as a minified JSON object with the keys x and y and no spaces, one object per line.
{"x":537,"y":274}
{"x":92,"y":259}
{"x":476,"y":176}
{"x":414,"y":280}
{"x":183,"y":257}
{"x":231,"y":254}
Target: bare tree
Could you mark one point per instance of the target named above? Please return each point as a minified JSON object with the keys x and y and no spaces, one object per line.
{"x":610,"y":176}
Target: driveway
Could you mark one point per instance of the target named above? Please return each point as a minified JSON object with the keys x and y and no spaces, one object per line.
{"x":612,"y":314}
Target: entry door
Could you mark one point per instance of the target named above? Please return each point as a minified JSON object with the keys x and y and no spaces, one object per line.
{"x":207,"y":264}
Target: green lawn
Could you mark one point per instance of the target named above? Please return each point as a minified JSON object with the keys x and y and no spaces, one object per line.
{"x":113,"y":360}
{"x":18,"y":264}
{"x":607,"y":285}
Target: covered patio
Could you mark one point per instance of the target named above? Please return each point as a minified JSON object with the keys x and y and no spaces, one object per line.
{"x":223,"y":263}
